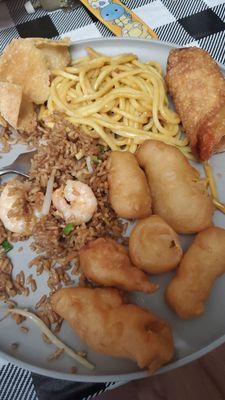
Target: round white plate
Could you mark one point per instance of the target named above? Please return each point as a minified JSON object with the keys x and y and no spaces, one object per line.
{"x":192,"y":339}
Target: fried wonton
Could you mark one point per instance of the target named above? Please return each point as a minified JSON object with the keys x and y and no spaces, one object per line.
{"x":3,"y":122}
{"x":55,"y":51}
{"x":10,"y":101}
{"x":24,"y":64}
{"x":40,"y":42}
{"x":27,"y":121}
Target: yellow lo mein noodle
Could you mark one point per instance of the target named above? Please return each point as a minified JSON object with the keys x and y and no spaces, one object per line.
{"x":117,"y":99}
{"x":213,"y":187}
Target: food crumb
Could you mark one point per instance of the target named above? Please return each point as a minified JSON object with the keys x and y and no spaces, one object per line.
{"x":46,"y":338}
{"x":40,"y":302}
{"x":31,"y":281}
{"x":11,"y":304}
{"x":73,"y":370}
{"x":39,"y":270}
{"x":33,"y":285}
{"x":58,"y":326}
{"x":26,"y":292}
{"x":75,"y":271}
{"x":55,"y":355}
{"x":24,"y":329}
{"x":14,"y":346}
{"x":18,"y":318}
{"x":20,"y":249}
{"x":82,"y":354}
{"x":20,"y":278}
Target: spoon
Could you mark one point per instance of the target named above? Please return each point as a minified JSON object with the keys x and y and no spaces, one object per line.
{"x":21,"y":165}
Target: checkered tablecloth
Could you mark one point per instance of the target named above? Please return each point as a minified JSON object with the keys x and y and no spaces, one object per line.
{"x":184,"y":22}
{"x":198,"y":22}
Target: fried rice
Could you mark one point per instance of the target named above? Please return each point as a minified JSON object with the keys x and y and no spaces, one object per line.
{"x":59,"y":148}
{"x":65,"y":149}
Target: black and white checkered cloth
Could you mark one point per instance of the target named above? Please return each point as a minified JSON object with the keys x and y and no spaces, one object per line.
{"x":19,"y":384}
{"x":194,"y":22}
{"x":184,"y":22}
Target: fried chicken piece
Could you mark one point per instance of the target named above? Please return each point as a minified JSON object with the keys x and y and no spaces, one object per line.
{"x":110,"y":326}
{"x":129,"y":194}
{"x":107,"y":263}
{"x":154,"y":246}
{"x":197,"y":87}
{"x":202,"y":264}
{"x":179,"y":196}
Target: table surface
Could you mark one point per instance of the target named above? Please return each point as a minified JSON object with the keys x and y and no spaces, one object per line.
{"x":186,"y":23}
{"x":200,"y":380}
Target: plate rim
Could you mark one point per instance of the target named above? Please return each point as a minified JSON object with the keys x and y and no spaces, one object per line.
{"x":132,"y":375}
{"x":113,"y":378}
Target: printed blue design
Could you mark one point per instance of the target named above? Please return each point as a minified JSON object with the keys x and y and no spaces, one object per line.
{"x":113,"y":11}
{"x":117,"y":15}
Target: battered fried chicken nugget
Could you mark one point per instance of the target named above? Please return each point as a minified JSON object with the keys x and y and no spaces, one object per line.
{"x":179,"y":196}
{"x":154,"y":246}
{"x":129,"y":193}
{"x":106,"y":263}
{"x":202,"y":264}
{"x":198,"y":89}
{"x":110,"y":326}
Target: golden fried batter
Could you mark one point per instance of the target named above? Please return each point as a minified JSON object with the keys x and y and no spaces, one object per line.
{"x":106,"y":263}
{"x":198,"y":89}
{"x":129,"y":193}
{"x":110,"y":326}
{"x":154,"y":246}
{"x":179,"y":196}
{"x":203,"y":263}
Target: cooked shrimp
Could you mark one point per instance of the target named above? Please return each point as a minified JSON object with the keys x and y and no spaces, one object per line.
{"x":75,"y":202}
{"x":15,"y":212}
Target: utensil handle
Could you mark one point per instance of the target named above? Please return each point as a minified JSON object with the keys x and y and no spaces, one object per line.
{"x":119,"y":18}
{"x":5,"y":171}
{"x":11,"y":171}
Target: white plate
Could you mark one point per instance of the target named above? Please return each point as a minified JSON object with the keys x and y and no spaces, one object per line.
{"x":192,"y":339}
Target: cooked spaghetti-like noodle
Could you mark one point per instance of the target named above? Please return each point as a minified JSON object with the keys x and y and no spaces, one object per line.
{"x":117,"y":99}
{"x":213,"y":187}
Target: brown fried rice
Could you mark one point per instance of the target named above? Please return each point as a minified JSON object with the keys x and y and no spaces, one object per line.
{"x":7,"y":285}
{"x":65,"y":149}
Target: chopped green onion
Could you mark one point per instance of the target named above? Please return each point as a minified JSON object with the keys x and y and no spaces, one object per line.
{"x":96,"y":160}
{"x":68,"y":229}
{"x":102,"y":148}
{"x":7,"y":246}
